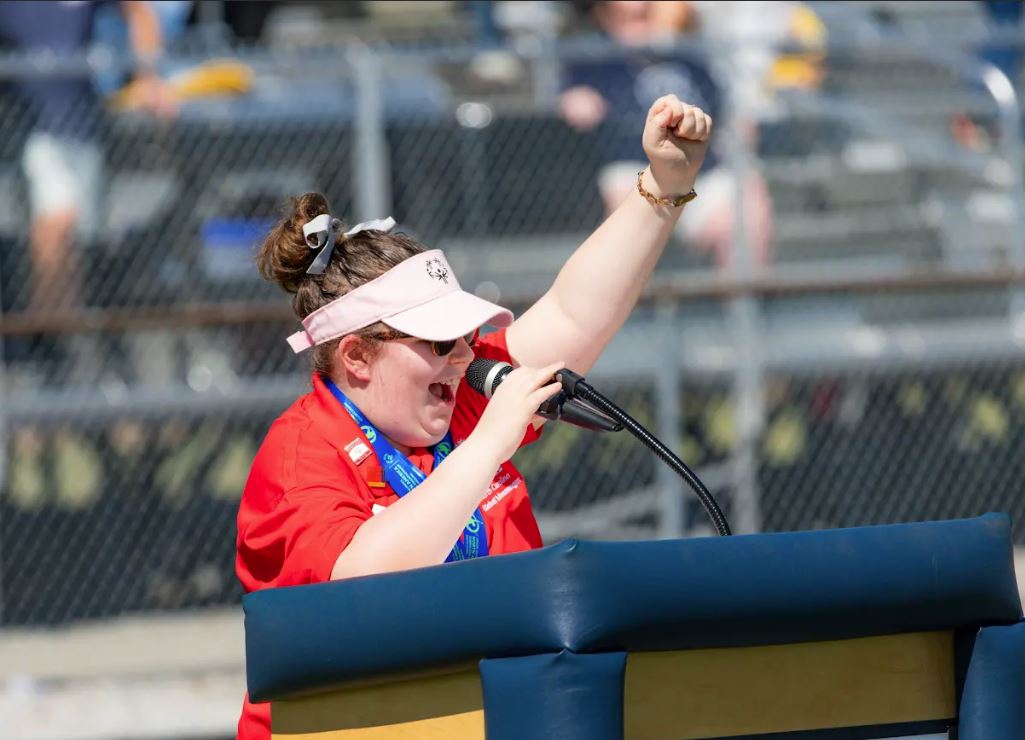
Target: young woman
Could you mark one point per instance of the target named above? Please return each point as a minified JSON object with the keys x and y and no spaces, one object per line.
{"x":349,"y":480}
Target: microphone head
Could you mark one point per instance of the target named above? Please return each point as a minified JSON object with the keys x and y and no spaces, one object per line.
{"x":484,"y":375}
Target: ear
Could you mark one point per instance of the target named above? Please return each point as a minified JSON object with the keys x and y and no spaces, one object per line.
{"x":353,"y":357}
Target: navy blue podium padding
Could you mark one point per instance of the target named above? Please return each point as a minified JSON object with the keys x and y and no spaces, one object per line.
{"x":572,"y":696}
{"x":309,"y":638}
{"x":608,"y":596}
{"x":795,"y":587}
{"x":993,"y":702}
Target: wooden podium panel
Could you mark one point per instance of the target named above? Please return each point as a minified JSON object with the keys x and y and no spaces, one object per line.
{"x":430,"y":708}
{"x":724,"y":692}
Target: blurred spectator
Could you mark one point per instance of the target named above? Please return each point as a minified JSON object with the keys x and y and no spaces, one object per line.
{"x":616,"y":91}
{"x":110,"y":29}
{"x":62,"y":157}
{"x":753,"y":39}
{"x":754,"y":34}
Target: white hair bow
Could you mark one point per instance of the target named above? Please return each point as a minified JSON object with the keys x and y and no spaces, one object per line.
{"x":321,"y":232}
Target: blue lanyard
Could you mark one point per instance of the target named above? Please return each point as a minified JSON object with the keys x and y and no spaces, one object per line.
{"x":403,"y":477}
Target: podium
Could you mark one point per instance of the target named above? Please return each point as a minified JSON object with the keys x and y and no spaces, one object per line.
{"x":868,"y":632}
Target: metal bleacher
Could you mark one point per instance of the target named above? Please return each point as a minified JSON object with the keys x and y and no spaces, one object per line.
{"x":866,"y":168}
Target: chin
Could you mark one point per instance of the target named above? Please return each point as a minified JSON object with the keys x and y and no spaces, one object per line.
{"x":429,"y":434}
{"x":421,"y":440}
{"x":434,"y":433}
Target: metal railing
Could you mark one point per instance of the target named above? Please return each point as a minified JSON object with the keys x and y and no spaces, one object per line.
{"x":859,"y":377}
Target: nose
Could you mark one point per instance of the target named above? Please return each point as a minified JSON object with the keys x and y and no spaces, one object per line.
{"x":461,"y":355}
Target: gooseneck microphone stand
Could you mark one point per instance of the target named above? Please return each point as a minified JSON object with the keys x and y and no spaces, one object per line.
{"x":574,"y":386}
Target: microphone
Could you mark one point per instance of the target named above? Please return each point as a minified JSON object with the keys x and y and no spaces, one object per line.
{"x":484,"y":376}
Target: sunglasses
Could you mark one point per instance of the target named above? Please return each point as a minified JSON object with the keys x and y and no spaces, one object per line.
{"x":440,"y":348}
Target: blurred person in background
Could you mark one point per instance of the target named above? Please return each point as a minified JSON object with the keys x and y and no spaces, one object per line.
{"x":753,"y":35}
{"x":111,"y":29}
{"x":611,"y":90}
{"x":392,"y":335}
{"x":62,"y":158}
{"x":770,"y":47}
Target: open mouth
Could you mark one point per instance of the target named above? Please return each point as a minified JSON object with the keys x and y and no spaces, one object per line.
{"x":446,"y":391}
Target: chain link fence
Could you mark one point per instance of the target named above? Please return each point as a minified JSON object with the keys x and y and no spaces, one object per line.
{"x":140,"y":374}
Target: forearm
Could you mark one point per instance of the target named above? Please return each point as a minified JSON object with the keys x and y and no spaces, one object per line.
{"x":421,"y":527}
{"x":600,"y":284}
{"x":144,"y":32}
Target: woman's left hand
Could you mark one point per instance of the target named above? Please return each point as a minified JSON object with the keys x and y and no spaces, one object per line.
{"x":675,"y":139}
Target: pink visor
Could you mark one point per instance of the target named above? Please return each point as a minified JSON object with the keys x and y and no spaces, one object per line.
{"x":420,"y":296}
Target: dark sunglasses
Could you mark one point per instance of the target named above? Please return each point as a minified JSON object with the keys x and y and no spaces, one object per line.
{"x":438,"y":348}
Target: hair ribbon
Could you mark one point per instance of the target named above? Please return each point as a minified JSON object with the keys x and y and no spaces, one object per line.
{"x":321,"y":233}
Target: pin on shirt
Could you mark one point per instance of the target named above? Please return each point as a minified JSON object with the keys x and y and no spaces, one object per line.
{"x":358,"y":451}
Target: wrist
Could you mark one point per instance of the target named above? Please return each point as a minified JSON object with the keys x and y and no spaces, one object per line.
{"x":483,"y":447}
{"x":661,"y":185}
{"x":659,"y":200}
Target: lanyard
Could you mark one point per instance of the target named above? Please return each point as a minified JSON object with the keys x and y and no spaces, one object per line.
{"x":403,"y":476}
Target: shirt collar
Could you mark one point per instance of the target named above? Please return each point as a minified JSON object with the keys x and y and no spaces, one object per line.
{"x":339,"y":430}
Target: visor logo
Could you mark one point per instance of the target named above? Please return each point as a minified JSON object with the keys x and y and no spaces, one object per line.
{"x":437,"y":270}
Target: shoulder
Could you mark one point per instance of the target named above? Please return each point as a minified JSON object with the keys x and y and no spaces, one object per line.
{"x":295,"y":453}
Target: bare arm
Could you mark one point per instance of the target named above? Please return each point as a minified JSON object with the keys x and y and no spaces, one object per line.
{"x":599,"y":285}
{"x":147,"y":90}
{"x":421,"y":527}
{"x":144,"y":32}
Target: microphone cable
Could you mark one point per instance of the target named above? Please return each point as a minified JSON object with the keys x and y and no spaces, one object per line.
{"x":575,"y":386}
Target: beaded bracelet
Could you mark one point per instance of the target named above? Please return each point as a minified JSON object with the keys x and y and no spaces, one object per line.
{"x":656,"y":201}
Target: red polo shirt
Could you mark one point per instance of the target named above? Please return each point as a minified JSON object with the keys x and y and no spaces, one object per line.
{"x":315,"y":480}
